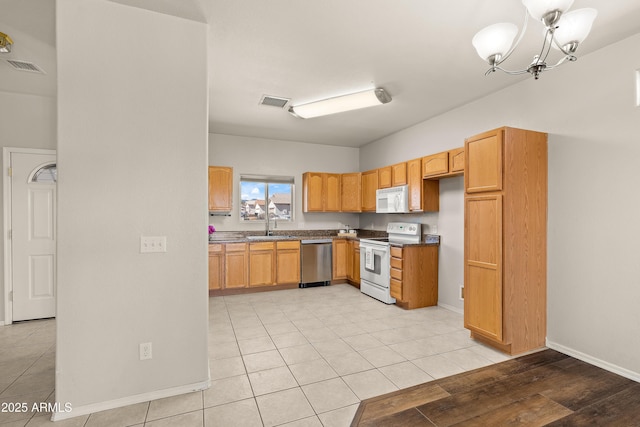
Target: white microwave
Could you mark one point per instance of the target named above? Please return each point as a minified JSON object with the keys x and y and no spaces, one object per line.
{"x":393,"y":200}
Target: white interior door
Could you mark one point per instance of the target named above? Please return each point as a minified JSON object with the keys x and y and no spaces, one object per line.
{"x":33,"y":235}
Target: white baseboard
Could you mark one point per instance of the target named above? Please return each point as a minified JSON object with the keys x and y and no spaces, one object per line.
{"x":451,"y":308}
{"x":635,"y":376}
{"x":1,"y":322}
{"x":78,"y":411}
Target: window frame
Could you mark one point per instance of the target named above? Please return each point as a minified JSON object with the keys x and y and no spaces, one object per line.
{"x":267,"y":180}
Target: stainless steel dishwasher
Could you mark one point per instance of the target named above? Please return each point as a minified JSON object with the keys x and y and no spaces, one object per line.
{"x":315,"y":262}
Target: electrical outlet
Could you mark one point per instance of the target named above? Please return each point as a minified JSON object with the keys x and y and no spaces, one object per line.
{"x":145,"y":351}
{"x":149,"y":244}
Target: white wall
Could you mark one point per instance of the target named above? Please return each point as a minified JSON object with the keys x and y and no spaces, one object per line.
{"x":27,"y":121}
{"x":274,"y":157}
{"x":448,"y":222}
{"x":588,"y":109}
{"x":132,"y":155}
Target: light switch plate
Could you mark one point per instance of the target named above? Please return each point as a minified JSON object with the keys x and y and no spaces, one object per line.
{"x":151,"y":244}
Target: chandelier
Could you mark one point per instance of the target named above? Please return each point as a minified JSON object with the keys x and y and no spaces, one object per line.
{"x":563,"y":31}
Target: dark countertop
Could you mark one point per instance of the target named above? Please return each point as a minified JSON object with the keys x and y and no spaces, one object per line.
{"x":252,"y":236}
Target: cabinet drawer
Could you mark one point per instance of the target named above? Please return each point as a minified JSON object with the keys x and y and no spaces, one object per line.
{"x":215,"y":248}
{"x":396,"y":252}
{"x":262,"y":246}
{"x":289,"y":244}
{"x":396,"y":289}
{"x":396,"y":263}
{"x":236,"y":247}
{"x":396,"y":274}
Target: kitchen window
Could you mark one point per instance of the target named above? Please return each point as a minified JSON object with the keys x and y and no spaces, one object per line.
{"x":264,"y":197}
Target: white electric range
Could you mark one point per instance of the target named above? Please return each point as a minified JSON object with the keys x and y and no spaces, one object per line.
{"x":375,"y":257}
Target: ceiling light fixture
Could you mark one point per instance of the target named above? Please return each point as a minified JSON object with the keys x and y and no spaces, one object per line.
{"x":5,"y":43}
{"x":352,"y":101}
{"x":563,"y":31}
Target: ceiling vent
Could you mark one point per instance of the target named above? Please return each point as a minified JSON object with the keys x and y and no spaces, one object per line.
{"x":25,"y":66}
{"x":274,"y":101}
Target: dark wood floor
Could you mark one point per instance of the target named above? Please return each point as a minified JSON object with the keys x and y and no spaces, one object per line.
{"x":541,"y":389}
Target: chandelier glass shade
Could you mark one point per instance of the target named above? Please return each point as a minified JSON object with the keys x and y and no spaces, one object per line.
{"x":563,"y":30}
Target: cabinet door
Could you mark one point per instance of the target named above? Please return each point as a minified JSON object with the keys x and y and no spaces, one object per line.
{"x":312,"y":192}
{"x":436,"y":164}
{"x":399,"y":174}
{"x":331,"y":192}
{"x":355,"y":278}
{"x":351,"y":195}
{"x":483,"y":162}
{"x":339,"y":259}
{"x":414,"y":179}
{"x":456,"y":160}
{"x":235,"y":266}
{"x":349,"y":259}
{"x":216,"y":263}
{"x":369,"y":187}
{"x":384,"y":177}
{"x":220,"y":188}
{"x":483,"y":266}
{"x":288,"y":262}
{"x":262,"y":264}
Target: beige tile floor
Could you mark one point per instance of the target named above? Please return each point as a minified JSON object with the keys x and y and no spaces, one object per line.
{"x":300,"y":357}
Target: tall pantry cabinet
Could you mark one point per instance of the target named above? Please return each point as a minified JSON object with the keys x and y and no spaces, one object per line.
{"x":505,"y":248}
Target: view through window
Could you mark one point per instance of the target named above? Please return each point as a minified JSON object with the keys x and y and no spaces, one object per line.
{"x":266,"y":196}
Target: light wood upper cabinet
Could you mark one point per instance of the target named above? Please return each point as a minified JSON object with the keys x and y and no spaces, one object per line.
{"x":216,"y":266}
{"x":424,"y":195}
{"x":399,"y":174}
{"x":384,"y":177}
{"x":288,"y":262}
{"x":339,"y":250}
{"x":321,"y":192}
{"x":332,"y":184}
{"x":220,"y":188}
{"x":456,"y":160}
{"x":262,"y":264}
{"x":483,"y":168}
{"x":312,"y":198}
{"x":236,"y":265}
{"x":505,"y":239}
{"x":351,"y":194}
{"x":369,"y":187}
{"x":436,"y":164}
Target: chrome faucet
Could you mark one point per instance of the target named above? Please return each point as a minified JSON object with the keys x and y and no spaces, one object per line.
{"x":268,"y":232}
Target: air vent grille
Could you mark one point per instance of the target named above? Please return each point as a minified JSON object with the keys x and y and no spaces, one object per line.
{"x":25,"y":66}
{"x":274,"y":101}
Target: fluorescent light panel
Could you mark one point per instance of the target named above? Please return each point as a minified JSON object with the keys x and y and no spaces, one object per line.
{"x":339,"y":104}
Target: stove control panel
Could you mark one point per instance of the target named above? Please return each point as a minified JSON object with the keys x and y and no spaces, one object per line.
{"x":405,"y":228}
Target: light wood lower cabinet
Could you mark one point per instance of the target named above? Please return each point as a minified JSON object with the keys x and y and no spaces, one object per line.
{"x":353,"y":262}
{"x":236,"y":266}
{"x":216,"y":266}
{"x":288,"y":262}
{"x":414,"y":275}
{"x":339,"y":250}
{"x":262,"y":264}
{"x":256,"y":264}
